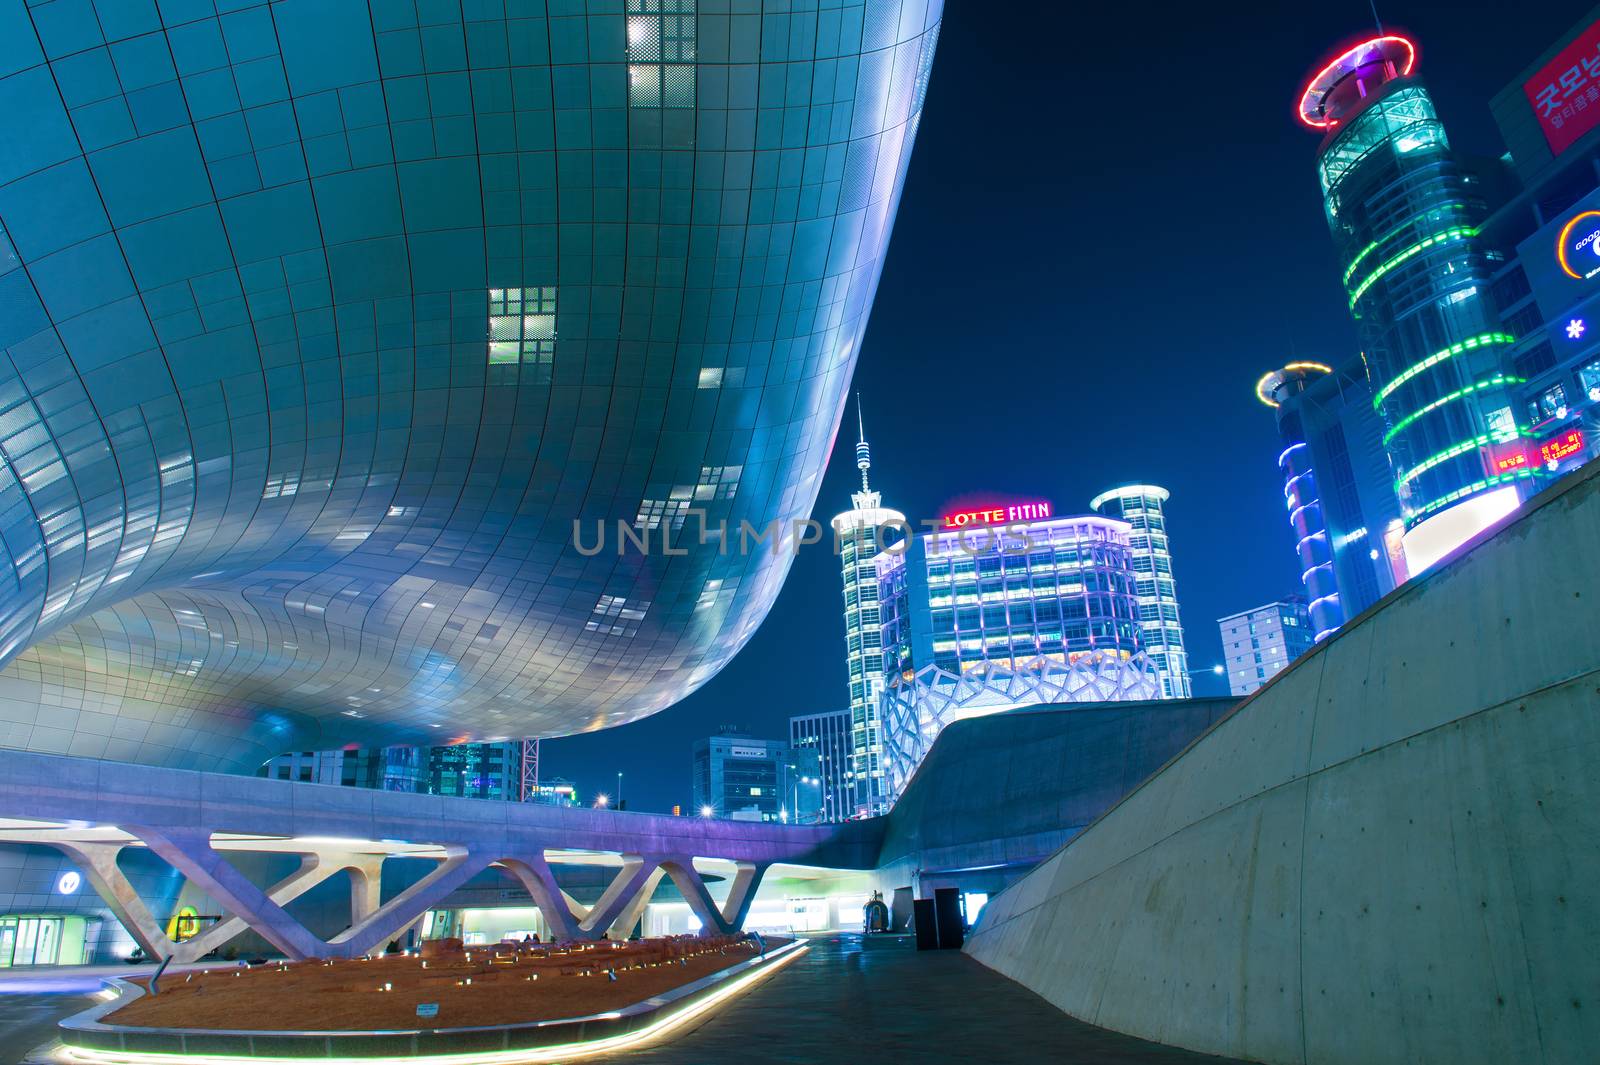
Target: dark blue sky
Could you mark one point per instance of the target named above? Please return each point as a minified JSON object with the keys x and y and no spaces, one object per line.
{"x":1110,"y":229}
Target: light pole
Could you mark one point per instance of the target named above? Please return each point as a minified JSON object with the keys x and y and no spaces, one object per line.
{"x":619,"y":791}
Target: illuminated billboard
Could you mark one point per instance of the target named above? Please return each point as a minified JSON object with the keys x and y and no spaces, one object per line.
{"x":1000,"y":514}
{"x":1565,"y":93}
{"x":1578,"y":246}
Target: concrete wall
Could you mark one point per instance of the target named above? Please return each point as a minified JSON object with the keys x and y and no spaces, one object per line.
{"x":996,"y":795}
{"x":1389,"y":854}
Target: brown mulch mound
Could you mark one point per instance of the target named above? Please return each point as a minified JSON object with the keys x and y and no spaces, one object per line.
{"x":507,"y":983}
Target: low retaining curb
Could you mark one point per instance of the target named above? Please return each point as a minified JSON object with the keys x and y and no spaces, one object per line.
{"x":87,"y":1031}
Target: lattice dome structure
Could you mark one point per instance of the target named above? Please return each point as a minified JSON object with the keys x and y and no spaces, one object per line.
{"x":323,"y":321}
{"x":915,"y":711}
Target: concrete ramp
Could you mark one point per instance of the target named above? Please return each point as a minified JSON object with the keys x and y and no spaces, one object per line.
{"x":1390,"y":854}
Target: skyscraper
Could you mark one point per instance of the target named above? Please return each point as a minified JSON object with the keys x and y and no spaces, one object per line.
{"x":1140,"y":505}
{"x":1404,"y":219}
{"x":859,"y":535}
{"x":1258,"y":643}
{"x":1337,"y":488}
{"x":828,"y":734}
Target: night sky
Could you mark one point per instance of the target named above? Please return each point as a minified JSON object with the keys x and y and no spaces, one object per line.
{"x":1111,"y":228}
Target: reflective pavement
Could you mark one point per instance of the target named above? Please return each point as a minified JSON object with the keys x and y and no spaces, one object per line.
{"x":887,"y":1004}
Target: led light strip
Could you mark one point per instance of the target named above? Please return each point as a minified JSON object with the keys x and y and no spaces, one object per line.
{"x":1395,"y":232}
{"x":1444,"y":456}
{"x":529,"y":1056}
{"x":1479,"y":341}
{"x":1496,"y":380}
{"x":1453,"y":233}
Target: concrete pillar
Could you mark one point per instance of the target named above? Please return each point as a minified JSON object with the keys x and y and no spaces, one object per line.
{"x":533,"y":872}
{"x":98,"y":861}
{"x":189,"y":851}
{"x":730,"y":916}
{"x":622,"y":927}
{"x":619,"y":895}
{"x":366,"y":887}
{"x":458,"y":866}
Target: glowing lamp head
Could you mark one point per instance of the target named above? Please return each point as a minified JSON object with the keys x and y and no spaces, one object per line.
{"x":1343,"y":87}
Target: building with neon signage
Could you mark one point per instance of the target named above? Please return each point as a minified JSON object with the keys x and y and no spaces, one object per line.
{"x":1405,"y":221}
{"x":1548,"y":286}
{"x":993,"y":612}
{"x":1161,"y":625}
{"x":1338,"y":493}
{"x":858,"y":537}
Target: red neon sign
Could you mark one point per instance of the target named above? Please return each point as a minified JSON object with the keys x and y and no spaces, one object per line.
{"x":1565,"y":94}
{"x":998,"y":515}
{"x":1558,"y":448}
{"x":1514,"y":461}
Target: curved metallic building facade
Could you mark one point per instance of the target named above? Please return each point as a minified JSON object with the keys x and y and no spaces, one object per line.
{"x":323,"y":321}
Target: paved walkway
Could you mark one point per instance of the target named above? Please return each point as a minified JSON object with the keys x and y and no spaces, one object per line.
{"x":888,"y":1004}
{"x":882,"y":1005}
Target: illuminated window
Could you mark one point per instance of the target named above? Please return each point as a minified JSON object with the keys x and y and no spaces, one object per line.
{"x":661,"y":53}
{"x":522,"y":326}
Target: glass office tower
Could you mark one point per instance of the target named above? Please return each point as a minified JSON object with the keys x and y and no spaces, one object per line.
{"x":1140,"y":505}
{"x":1404,"y":220}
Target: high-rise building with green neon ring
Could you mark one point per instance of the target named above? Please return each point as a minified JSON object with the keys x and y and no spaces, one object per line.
{"x":1404,"y":219}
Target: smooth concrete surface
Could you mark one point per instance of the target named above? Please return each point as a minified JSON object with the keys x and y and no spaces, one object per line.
{"x":1390,"y":854}
{"x":997,"y":795}
{"x":44,"y":787}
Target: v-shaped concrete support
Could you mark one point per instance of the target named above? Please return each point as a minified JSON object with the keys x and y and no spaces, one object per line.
{"x":714,"y":919}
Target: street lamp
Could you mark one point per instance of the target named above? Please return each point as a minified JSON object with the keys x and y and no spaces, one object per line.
{"x":1219,"y":670}
{"x":619,"y":791}
{"x":602,"y":800}
{"x":706,"y":811}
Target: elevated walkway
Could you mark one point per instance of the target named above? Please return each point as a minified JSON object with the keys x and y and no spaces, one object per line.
{"x":1390,"y":854}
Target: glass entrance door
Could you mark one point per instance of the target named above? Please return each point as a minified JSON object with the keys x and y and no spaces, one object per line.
{"x":30,"y":941}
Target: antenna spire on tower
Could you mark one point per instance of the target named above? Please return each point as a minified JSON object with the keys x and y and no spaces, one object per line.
{"x":863,"y":452}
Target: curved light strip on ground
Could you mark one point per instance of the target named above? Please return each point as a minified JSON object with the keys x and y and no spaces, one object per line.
{"x":530,"y":1056}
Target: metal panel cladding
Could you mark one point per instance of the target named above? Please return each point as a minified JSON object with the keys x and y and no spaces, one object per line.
{"x":323,"y":320}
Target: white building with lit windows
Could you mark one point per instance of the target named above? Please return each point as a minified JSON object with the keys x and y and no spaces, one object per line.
{"x":1140,"y":505}
{"x":1258,"y":643}
{"x":858,"y":536}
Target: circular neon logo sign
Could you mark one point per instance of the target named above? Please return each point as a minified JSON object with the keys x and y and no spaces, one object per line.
{"x":1578,"y":247}
{"x":69,"y":882}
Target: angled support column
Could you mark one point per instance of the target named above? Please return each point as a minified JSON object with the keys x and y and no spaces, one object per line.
{"x":99,"y":863}
{"x":190,"y":852}
{"x":459,"y":866}
{"x":623,"y":925}
{"x":313,"y":871}
{"x":560,"y":912}
{"x":729,"y":917}
{"x":619,"y":895}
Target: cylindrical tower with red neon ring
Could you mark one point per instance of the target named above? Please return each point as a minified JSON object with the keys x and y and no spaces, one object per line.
{"x":1404,"y":220}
